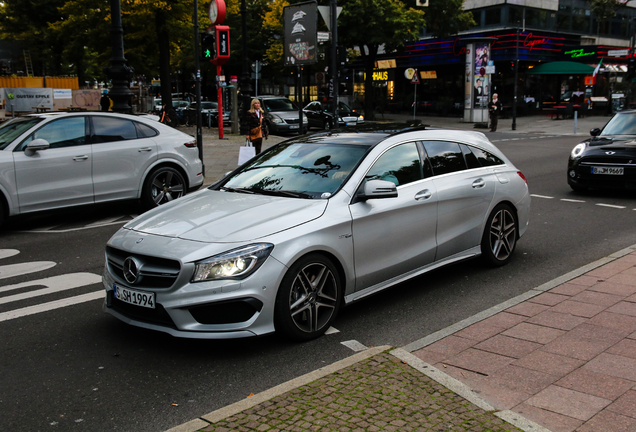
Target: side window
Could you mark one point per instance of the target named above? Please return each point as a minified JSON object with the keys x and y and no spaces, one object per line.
{"x":145,"y":131}
{"x":401,"y":165}
{"x":66,"y":132}
{"x":445,"y":157}
{"x":108,"y":129}
{"x":485,"y":158}
{"x":469,"y":157}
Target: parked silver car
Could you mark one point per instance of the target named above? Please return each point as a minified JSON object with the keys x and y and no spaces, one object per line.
{"x":281,"y":114}
{"x":311,"y":224}
{"x":56,"y":160}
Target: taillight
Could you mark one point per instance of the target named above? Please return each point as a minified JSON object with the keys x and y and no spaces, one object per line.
{"x":522,"y":176}
{"x":191,"y":144}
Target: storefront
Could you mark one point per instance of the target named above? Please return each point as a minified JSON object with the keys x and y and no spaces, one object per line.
{"x":441,"y":65}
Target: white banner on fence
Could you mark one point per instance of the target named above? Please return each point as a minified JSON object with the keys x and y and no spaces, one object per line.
{"x":62,"y":94}
{"x":24,"y":99}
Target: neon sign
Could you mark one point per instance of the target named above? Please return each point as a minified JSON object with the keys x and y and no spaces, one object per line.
{"x":578,"y":53}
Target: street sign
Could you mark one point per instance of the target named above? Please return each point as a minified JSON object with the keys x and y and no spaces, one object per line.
{"x":618,"y":53}
{"x":416,"y":78}
{"x":323,"y":36}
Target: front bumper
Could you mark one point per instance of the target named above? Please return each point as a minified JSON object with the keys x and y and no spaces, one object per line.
{"x":580,"y":175}
{"x":202,"y":310}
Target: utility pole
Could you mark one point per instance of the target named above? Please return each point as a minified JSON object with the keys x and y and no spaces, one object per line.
{"x":334,"y":56}
{"x":516,"y":85}
{"x":197,"y":85}
{"x":118,"y":71}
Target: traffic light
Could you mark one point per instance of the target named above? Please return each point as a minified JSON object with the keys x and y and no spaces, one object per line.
{"x":208,"y":46}
{"x":631,"y":69}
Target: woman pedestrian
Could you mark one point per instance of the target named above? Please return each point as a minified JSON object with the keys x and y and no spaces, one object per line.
{"x":257,"y":125}
{"x":494,"y":108}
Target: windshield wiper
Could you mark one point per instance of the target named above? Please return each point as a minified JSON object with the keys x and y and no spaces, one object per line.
{"x":282,"y":193}
{"x":237,"y":190}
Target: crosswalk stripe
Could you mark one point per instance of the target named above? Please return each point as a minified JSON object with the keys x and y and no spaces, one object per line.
{"x":53,"y":284}
{"x":5,"y":316}
{"x":11,"y":270}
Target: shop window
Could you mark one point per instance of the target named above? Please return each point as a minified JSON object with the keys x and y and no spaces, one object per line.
{"x":493,"y":16}
{"x":515,"y":16}
{"x":477,"y":17}
{"x":581,"y":20}
{"x":536,"y":18}
{"x":563,"y":22}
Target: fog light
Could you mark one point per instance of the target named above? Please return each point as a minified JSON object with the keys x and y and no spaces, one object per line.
{"x":572,"y":173}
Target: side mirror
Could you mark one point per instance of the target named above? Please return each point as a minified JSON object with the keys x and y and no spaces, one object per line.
{"x":595,"y":132}
{"x":377,"y":189}
{"x":36,"y":145}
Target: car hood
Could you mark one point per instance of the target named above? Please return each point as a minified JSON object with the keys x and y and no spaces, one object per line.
{"x":217,"y":216}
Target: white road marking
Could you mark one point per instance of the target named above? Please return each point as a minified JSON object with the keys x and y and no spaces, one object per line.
{"x":53,"y":284}
{"x":610,"y":206}
{"x":572,"y":200}
{"x":51,"y":305}
{"x":541,"y":196}
{"x":332,"y":330}
{"x":104,"y":222}
{"x":354,"y":345}
{"x":11,"y":270}
{"x":53,"y":231}
{"x":6,"y":253}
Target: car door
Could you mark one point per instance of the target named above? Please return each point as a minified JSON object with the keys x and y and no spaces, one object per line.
{"x":393,"y":236}
{"x":313,"y":111}
{"x":122,"y":152}
{"x":465,"y":190}
{"x":60,"y":175}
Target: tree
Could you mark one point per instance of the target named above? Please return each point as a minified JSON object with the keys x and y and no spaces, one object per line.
{"x":446,"y":18}
{"x":604,"y":10}
{"x":372,"y":24}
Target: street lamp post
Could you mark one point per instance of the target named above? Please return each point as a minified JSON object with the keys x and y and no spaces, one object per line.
{"x":118,"y":71}
{"x":515,"y":85}
{"x":244,"y":82}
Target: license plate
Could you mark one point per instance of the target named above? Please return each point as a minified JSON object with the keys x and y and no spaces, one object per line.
{"x":293,"y":126}
{"x":351,"y":123}
{"x":134,"y":297}
{"x":608,"y":170}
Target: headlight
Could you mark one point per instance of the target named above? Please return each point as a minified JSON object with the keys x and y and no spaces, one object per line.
{"x":360,"y":118}
{"x":576,"y":151}
{"x":277,"y":119}
{"x":235,"y":264}
{"x":304,"y":118}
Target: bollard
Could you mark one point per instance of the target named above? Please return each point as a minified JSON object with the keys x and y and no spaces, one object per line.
{"x":576,"y":114}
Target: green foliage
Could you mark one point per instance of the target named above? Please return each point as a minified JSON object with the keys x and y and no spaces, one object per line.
{"x":445,"y":18}
{"x":604,"y":9}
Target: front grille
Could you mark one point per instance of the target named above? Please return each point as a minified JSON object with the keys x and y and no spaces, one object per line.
{"x":608,"y":160}
{"x":292,"y":121}
{"x":158,"y":315}
{"x":227,"y":312}
{"x":154,"y":272}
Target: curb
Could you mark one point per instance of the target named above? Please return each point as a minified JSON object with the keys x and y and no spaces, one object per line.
{"x":404,"y":354}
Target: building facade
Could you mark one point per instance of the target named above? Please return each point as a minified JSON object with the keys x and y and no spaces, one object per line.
{"x":524,"y":34}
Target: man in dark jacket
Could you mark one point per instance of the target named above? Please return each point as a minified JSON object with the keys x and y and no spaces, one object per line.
{"x":494,"y":108}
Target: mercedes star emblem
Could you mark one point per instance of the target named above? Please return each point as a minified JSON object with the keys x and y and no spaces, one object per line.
{"x":132,"y":269}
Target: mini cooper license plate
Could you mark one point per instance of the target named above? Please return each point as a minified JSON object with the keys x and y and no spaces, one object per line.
{"x":134,"y":297}
{"x":608,"y":170}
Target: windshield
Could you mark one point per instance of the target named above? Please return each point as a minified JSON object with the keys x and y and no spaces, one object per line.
{"x":180,"y":104}
{"x":281,"y":104}
{"x":298,"y":169}
{"x":342,"y":108}
{"x":12,"y":129}
{"x":620,"y":124}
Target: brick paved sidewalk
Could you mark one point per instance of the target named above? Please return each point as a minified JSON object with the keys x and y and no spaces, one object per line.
{"x":380,"y":393}
{"x":565,"y":358}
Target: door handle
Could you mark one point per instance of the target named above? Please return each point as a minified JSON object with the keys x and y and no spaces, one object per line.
{"x":423,"y":195}
{"x":80,"y":158}
{"x":479,"y":183}
{"x":144,"y":149}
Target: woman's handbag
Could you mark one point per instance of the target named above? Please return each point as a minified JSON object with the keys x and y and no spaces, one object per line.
{"x":256,"y":133}
{"x":246,"y":152}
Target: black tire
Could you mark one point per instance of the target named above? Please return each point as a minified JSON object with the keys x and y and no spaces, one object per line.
{"x":308,"y":299}
{"x":327,"y":125}
{"x":162,"y":185}
{"x":500,"y":236}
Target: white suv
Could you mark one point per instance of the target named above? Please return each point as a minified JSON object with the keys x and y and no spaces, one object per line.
{"x":56,"y":160}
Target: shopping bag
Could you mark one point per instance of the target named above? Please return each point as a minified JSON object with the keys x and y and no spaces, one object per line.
{"x":246,"y":152}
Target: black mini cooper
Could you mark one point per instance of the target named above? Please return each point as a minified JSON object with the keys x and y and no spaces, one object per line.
{"x":608,"y":158}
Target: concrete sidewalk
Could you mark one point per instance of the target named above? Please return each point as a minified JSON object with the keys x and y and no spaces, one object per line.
{"x":561,"y":357}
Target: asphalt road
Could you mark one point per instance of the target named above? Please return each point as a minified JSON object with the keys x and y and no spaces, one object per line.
{"x":76,"y":368}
